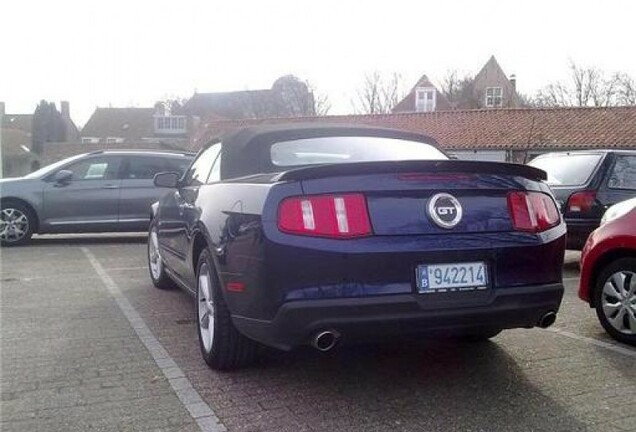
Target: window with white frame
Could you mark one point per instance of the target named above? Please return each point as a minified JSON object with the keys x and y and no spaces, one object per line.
{"x":494,"y":97}
{"x":114,"y":140}
{"x":170,"y":124}
{"x":425,"y":99}
{"x":90,"y":140}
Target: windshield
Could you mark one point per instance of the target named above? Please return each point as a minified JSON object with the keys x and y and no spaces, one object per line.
{"x":348,"y":149}
{"x":49,"y":169}
{"x":567,"y":169}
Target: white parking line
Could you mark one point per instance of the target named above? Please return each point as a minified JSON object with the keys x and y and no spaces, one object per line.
{"x":612,"y":347}
{"x":200,"y":411}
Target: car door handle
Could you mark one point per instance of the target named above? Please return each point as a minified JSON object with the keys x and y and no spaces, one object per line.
{"x":110,"y":186}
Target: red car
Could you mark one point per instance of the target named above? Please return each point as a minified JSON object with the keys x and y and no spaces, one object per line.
{"x":608,"y":271}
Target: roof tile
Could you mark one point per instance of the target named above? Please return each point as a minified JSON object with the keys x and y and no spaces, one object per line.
{"x":522,"y":128}
{"x":128,"y":123}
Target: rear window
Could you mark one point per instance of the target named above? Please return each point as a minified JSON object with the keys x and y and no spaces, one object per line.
{"x":623,"y":174}
{"x":333,"y":150}
{"x":567,"y":169}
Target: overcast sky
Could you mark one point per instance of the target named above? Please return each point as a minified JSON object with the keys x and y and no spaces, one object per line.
{"x":134,"y":52}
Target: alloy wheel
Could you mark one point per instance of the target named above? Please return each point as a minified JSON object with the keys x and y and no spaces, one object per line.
{"x":206,"y":307}
{"x":14,"y":225}
{"x":619,"y":301}
{"x":154,"y":257}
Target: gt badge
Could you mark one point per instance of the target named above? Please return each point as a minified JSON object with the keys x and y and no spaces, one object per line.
{"x":445,"y":210}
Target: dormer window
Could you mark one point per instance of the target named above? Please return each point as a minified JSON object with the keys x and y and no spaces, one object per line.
{"x":170,"y":124}
{"x":494,"y":97}
{"x":425,"y":99}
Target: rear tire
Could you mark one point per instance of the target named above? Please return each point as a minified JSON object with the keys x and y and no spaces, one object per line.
{"x":222,"y":346}
{"x":17,"y":223}
{"x":615,"y":302}
{"x":156,"y":266}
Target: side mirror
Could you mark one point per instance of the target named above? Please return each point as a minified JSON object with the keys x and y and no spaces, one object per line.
{"x":63,"y":177}
{"x":166,"y":179}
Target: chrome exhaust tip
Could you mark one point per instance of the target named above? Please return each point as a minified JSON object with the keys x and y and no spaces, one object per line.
{"x":547,"y":320}
{"x":325,"y":340}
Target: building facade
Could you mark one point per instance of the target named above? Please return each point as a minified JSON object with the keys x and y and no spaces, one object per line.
{"x":489,"y":89}
{"x":109,"y":126}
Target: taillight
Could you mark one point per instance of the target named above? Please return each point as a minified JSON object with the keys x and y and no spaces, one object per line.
{"x":581,"y":202}
{"x":335,"y":216}
{"x":532,"y":211}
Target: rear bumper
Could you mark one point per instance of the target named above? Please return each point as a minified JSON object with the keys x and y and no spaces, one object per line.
{"x":379,"y":317}
{"x":578,"y":232}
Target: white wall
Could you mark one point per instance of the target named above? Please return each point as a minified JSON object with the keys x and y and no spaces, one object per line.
{"x":481,"y":155}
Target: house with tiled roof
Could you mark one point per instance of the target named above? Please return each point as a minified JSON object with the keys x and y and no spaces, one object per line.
{"x":423,"y":97}
{"x":176,"y":124}
{"x":288,"y":97}
{"x":134,"y":125}
{"x":231,"y":105}
{"x":503,"y":134}
{"x":490,"y":88}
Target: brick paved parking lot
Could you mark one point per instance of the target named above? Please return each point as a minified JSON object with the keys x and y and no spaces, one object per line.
{"x":89,"y":345}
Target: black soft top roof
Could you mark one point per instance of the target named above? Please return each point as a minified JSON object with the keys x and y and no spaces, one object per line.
{"x":247,"y":150}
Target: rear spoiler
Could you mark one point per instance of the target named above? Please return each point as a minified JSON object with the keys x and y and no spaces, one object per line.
{"x":416,"y":166}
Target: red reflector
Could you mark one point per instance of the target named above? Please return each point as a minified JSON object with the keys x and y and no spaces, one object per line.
{"x":235,"y":286}
{"x":522,"y":218}
{"x":546,"y":212}
{"x":335,"y":216}
{"x":532,"y":211}
{"x":581,"y":202}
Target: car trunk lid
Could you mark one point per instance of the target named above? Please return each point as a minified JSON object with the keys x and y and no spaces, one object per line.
{"x":409,"y":198}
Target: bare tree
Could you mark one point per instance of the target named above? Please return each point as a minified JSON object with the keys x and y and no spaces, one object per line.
{"x":171,"y":104}
{"x":556,"y":94}
{"x":304,"y":99}
{"x":626,"y":89}
{"x":459,"y":89}
{"x":378,"y":94}
{"x":288,"y":97}
{"x":588,"y":86}
{"x":293,"y":97}
{"x":322,"y":104}
{"x":526,"y":100}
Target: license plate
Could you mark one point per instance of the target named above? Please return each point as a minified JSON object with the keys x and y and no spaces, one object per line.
{"x":451,"y":277}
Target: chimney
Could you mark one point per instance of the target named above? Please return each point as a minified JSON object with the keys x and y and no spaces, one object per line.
{"x":1,"y":109}
{"x":66,"y":110}
{"x":513,"y":81}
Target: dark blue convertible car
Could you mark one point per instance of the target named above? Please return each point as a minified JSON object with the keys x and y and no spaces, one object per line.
{"x":305,"y":234}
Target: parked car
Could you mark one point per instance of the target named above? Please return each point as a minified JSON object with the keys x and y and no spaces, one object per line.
{"x":292,"y":235}
{"x":586,"y":183}
{"x":95,"y":192}
{"x":608,"y":272}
